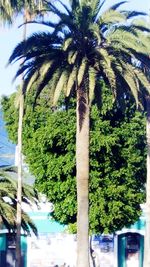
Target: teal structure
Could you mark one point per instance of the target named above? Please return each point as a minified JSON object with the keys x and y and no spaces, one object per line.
{"x":7,"y":249}
{"x":44,"y":224}
{"x":130,"y":245}
{"x":128,"y":242}
{"x":124,"y":250}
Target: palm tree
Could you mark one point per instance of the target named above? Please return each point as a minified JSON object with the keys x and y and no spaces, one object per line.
{"x":28,"y":8}
{"x":8,"y":10}
{"x":8,"y":202}
{"x":83,"y":47}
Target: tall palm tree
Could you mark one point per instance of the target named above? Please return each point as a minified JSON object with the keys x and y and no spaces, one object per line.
{"x":8,"y":10}
{"x":29,"y":9}
{"x":83,"y":47}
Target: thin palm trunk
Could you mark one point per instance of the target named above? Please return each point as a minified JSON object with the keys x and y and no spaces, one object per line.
{"x":20,"y":178}
{"x":82,"y":169}
{"x":19,"y":187}
{"x":147,"y":229}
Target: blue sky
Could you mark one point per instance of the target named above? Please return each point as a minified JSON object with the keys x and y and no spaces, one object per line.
{"x":12,"y":36}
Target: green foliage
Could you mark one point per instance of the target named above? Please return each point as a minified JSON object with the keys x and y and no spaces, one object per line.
{"x":117,"y":161}
{"x":12,"y":113}
{"x":8,"y":201}
{"x":6,"y":11}
{"x":11,"y":8}
{"x":91,"y":46}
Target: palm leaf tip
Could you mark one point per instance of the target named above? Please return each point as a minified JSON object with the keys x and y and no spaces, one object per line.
{"x":132,"y":14}
{"x":117,"y":5}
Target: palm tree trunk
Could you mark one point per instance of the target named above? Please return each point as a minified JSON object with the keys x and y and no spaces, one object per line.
{"x":82,"y":175}
{"x":19,"y":187}
{"x":20,"y":179}
{"x":147,"y":229}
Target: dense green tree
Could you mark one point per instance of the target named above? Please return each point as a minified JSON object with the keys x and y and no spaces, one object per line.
{"x":82,"y":47}
{"x":117,"y":161}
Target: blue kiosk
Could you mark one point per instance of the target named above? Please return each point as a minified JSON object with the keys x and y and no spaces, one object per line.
{"x":130,"y":245}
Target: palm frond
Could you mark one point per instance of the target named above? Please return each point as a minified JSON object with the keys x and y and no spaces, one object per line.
{"x":94,"y":28}
{"x":131,"y":14}
{"x":143,"y":80}
{"x":49,"y":75}
{"x":71,"y":81}
{"x":112,"y":17}
{"x":122,"y":38}
{"x":28,"y":50}
{"x":117,"y":5}
{"x":8,"y":201}
{"x":67,"y":43}
{"x":81,"y":71}
{"x":96,"y":6}
{"x":106,"y":63}
{"x":127,"y":71}
{"x":74,"y":4}
{"x":60,"y":85}
{"x":45,"y":23}
{"x":72,"y":55}
{"x":28,"y":225}
{"x":65,"y":7}
{"x":6,"y":12}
